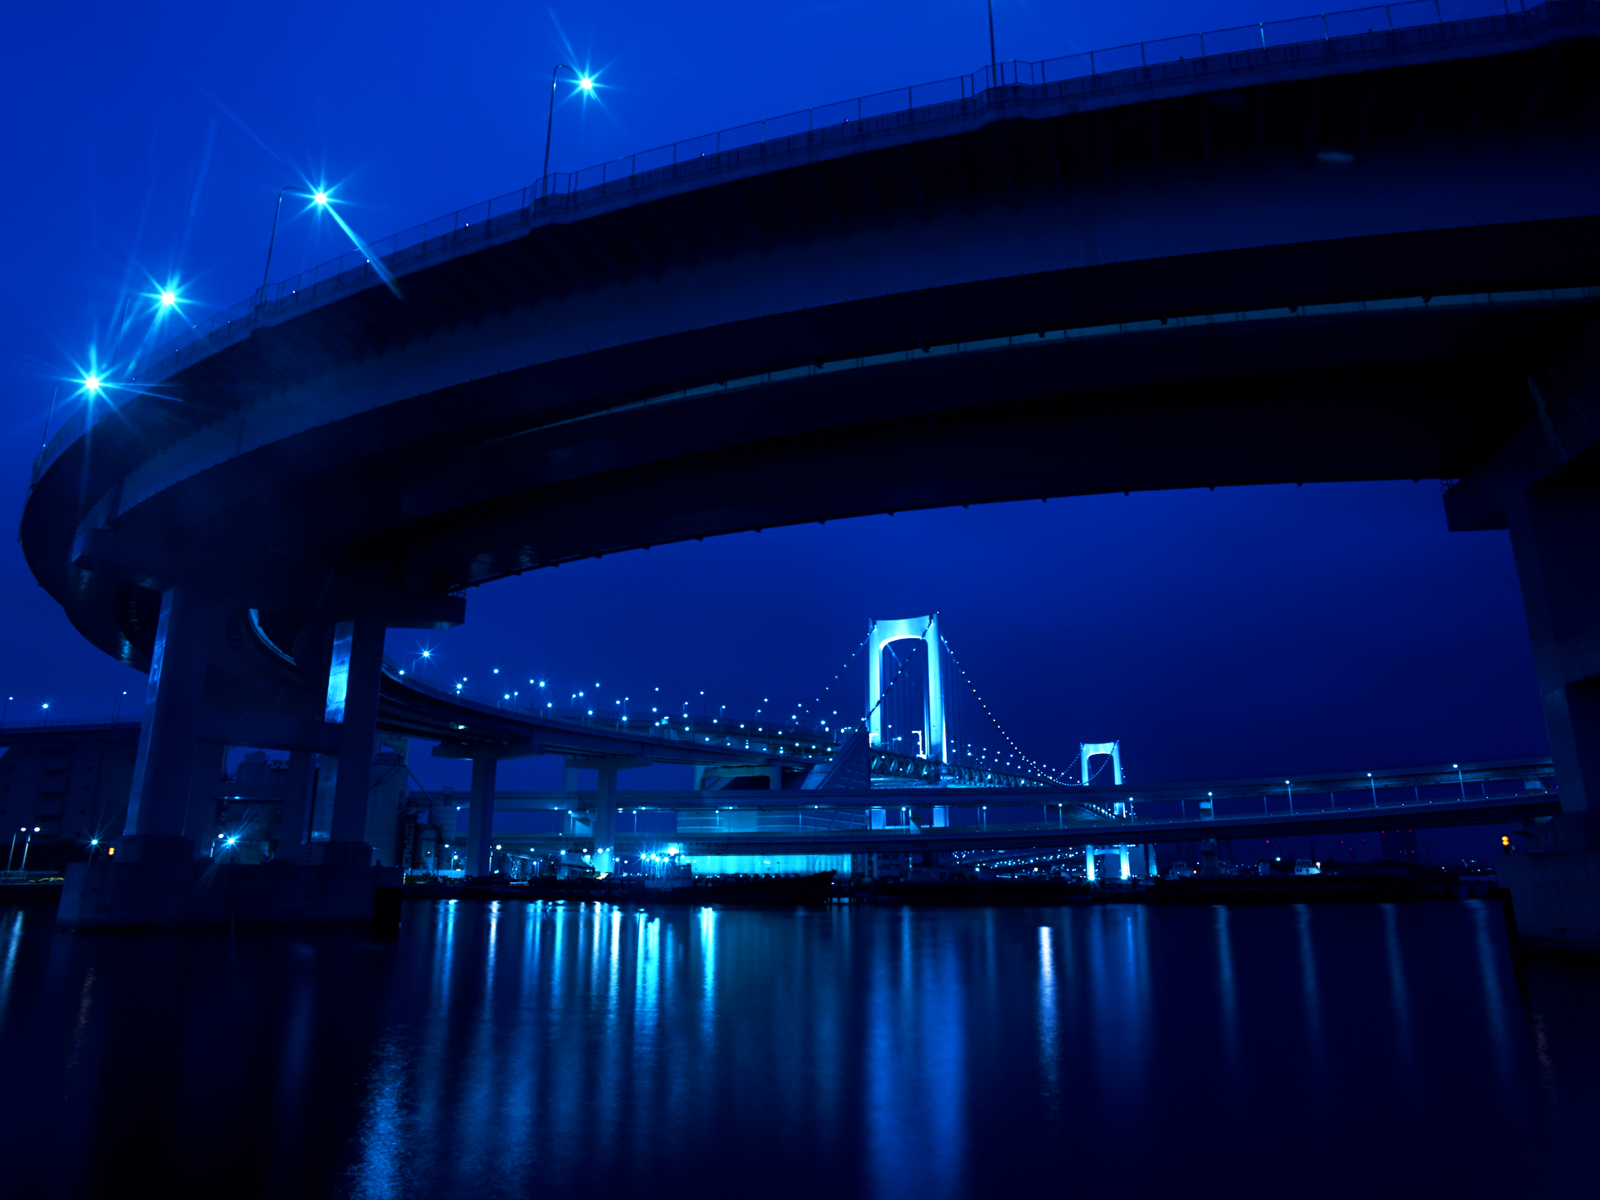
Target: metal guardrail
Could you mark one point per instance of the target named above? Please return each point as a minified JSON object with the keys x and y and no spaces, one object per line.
{"x":516,"y":210}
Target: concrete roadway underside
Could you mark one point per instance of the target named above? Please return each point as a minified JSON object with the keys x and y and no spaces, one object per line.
{"x":1372,"y":257}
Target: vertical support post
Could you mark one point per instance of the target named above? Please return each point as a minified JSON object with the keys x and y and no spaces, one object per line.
{"x":296,"y":806}
{"x":605,"y":819}
{"x":1088,"y":863}
{"x":480,"y":817}
{"x":159,"y":799}
{"x":1123,"y":850}
{"x":199,"y":824}
{"x":353,"y":683}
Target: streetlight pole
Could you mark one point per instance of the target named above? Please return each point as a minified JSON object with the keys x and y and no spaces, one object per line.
{"x":320,"y":197}
{"x":1374,"y":784}
{"x":12,"y":853}
{"x":23,"y":869}
{"x":1290,"y":786}
{"x":585,"y":84}
{"x":994,"y":69}
{"x":1459,"y":779}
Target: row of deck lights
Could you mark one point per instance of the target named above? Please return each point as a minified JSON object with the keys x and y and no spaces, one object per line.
{"x":168,"y":297}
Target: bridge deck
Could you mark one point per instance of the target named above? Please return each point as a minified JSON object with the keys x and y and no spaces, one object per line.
{"x":1496,"y":810}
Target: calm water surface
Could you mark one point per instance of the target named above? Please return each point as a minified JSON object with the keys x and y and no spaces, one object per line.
{"x":570,"y":1049}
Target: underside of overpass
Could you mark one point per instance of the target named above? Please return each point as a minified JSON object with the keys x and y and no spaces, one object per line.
{"x":1369,"y":257}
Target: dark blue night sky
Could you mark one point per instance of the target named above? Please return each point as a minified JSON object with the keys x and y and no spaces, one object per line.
{"x":1230,"y":633}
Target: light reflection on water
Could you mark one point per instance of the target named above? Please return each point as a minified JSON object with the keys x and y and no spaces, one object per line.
{"x":587,"y":1049}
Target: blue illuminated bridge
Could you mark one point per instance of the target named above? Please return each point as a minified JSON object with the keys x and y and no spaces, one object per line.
{"x":1361,"y":246}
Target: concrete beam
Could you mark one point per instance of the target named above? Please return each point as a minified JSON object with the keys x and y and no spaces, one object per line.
{"x":489,"y":750}
{"x":612,"y":762}
{"x":268,"y":731}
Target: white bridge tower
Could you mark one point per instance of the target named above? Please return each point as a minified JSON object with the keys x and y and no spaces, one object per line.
{"x":879,"y":634}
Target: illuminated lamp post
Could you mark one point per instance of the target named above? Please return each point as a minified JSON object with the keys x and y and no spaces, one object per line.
{"x":23,"y":869}
{"x":319,"y":198}
{"x":585,"y":84}
{"x":994,"y":70}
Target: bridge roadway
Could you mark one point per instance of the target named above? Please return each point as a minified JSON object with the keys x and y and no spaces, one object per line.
{"x":1366,"y":257}
{"x":466,"y":728}
{"x":1509,"y":790}
{"x":1322,"y":262}
{"x":1494,"y":810}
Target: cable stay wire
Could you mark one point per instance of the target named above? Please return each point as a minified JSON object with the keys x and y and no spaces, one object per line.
{"x":1046,"y":772}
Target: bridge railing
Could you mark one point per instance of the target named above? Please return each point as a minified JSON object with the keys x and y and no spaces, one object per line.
{"x":508,"y":214}
{"x":764,"y":737}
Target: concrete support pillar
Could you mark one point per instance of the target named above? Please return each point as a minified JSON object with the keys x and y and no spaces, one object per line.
{"x":941,"y":816}
{"x":605,"y":819}
{"x":1123,"y":850}
{"x":200,"y":823}
{"x":1554,"y":872}
{"x":1088,"y":863}
{"x":1555,"y":540}
{"x":775,"y":779}
{"x":354,"y":677}
{"x":292,"y":828}
{"x":480,"y":816}
{"x":571,"y":782}
{"x":158,"y":802}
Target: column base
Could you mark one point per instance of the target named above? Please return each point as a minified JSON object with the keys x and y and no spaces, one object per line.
{"x":335,"y":854}
{"x":203,"y":894}
{"x":1554,"y":881}
{"x":153,"y":848}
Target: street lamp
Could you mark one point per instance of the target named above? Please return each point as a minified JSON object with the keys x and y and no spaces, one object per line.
{"x":12,"y":853}
{"x":318,"y":197}
{"x":585,"y":84}
{"x":1373,"y":783}
{"x":1460,"y":780}
{"x":994,"y":70}
{"x":1290,"y":786}
{"x":23,"y":869}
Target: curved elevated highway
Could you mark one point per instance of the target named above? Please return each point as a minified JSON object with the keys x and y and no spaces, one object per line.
{"x":1365,"y":257}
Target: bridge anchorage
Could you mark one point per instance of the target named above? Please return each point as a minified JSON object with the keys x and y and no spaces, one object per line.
{"x":1372,"y":254}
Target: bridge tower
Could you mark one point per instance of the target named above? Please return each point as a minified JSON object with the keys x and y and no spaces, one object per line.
{"x":1087,"y":750}
{"x":880,"y":632}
